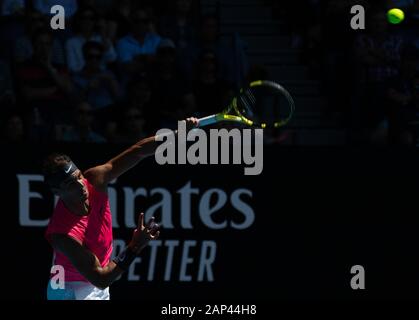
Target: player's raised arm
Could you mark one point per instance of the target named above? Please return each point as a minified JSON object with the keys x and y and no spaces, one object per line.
{"x":101,"y":175}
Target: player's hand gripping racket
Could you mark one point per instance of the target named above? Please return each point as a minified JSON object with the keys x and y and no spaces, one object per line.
{"x":263,"y":104}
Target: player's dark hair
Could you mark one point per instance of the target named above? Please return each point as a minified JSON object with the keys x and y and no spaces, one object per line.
{"x":52,"y":164}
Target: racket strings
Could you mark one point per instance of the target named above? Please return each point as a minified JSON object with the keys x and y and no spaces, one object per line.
{"x":263,"y":104}
{"x":247,"y":101}
{"x":259,"y":102}
{"x":249,"y":94}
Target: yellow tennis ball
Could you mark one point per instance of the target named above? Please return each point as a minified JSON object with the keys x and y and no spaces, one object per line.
{"x":395,"y":16}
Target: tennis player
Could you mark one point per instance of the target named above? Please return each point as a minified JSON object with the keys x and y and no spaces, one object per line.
{"x":80,"y":229}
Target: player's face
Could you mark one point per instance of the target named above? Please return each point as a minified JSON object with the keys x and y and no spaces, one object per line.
{"x":74,"y":188}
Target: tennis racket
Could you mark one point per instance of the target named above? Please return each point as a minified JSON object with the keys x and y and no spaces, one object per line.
{"x":262,"y":104}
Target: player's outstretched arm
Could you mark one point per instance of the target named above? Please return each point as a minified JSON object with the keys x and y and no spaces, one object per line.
{"x":100,"y":176}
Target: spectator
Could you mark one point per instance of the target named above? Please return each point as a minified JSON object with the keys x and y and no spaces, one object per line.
{"x":14,"y":131}
{"x":129,"y":129}
{"x":23,"y":49}
{"x":331,"y":45}
{"x":411,"y":116}
{"x":139,"y":43}
{"x":102,"y":6}
{"x":81,"y":130}
{"x":119,"y":18}
{"x":400,"y":96}
{"x":211,"y":93}
{"x":378,"y":54}
{"x":232,"y":61}
{"x":181,"y":26}
{"x":408,"y":117}
{"x":298,"y":23}
{"x":85,"y":22}
{"x":97,"y":86}
{"x":415,"y":10}
{"x":105,"y":29}
{"x":378,"y":50}
{"x":257,"y":72}
{"x":172,"y":93}
{"x":160,"y":7}
{"x":12,"y":7}
{"x":44,"y":6}
{"x":11,"y":29}
{"x":402,"y":4}
{"x":7,"y":95}
{"x":43,"y":85}
{"x":140,"y":96}
{"x":413,"y":23}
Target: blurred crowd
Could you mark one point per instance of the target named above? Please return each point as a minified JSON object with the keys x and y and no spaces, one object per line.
{"x":371,"y":76}
{"x":122,"y":69}
{"x":119,"y":71}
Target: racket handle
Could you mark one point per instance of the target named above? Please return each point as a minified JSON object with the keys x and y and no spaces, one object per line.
{"x":206,"y":121}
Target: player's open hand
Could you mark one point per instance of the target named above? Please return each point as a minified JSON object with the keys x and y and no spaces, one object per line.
{"x":144,"y":233}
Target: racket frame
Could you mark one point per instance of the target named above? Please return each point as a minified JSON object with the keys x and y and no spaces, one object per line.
{"x":239,"y":118}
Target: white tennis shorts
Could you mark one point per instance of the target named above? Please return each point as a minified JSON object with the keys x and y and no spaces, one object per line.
{"x":77,"y":291}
